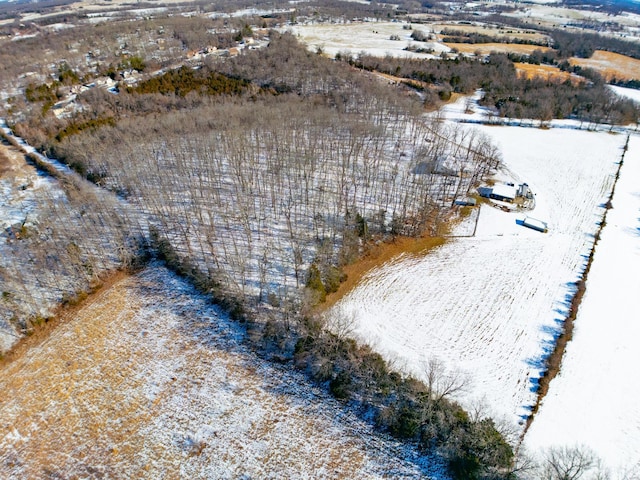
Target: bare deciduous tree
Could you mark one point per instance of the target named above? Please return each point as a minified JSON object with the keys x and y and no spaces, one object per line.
{"x":443,"y":382}
{"x":572,"y":463}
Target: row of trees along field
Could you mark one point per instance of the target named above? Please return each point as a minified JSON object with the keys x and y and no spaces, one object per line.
{"x":569,"y":42}
{"x":563,"y":44}
{"x":258,"y":192}
{"x":512,"y":95}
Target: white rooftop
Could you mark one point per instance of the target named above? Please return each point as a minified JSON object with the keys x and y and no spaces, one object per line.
{"x":504,"y":190}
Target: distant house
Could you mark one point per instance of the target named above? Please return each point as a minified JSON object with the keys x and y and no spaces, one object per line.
{"x":438,"y":166}
{"x":105,"y":82}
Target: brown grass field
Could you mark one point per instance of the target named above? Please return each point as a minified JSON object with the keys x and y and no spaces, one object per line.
{"x":487,"y":48}
{"x":611,"y":65}
{"x":496,"y":32}
{"x":544,"y":71}
{"x":145,"y":380}
{"x":11,"y":160}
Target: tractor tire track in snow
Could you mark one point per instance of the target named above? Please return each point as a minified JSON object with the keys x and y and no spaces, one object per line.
{"x":554,"y":361}
{"x":493,"y":305}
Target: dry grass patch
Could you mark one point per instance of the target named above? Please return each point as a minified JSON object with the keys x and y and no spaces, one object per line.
{"x":487,"y":48}
{"x":545,"y":71}
{"x":146,"y":380}
{"x":611,"y":65}
{"x":11,"y":159}
{"x":378,"y":255}
{"x":4,"y":163}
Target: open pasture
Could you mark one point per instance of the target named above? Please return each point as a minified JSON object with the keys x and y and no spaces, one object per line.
{"x":492,"y":305}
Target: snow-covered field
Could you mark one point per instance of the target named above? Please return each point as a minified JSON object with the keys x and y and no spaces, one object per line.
{"x":492,"y":305}
{"x":148,"y":380}
{"x":594,"y":399}
{"x":559,"y":16}
{"x":631,"y":93}
{"x":372,"y":37}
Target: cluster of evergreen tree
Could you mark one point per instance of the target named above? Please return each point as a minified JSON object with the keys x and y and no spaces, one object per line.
{"x":185,"y":80}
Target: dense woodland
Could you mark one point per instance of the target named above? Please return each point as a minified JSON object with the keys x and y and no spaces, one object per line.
{"x":63,"y":250}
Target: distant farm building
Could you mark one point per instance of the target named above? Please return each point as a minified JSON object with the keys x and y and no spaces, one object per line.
{"x":535,"y":224}
{"x":466,"y":202}
{"x":502,"y":192}
{"x":524,"y":191}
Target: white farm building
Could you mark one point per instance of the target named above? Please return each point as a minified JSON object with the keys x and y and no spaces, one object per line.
{"x":502,"y":192}
{"x":535,"y":224}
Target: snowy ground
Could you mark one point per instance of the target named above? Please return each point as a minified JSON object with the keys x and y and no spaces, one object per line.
{"x":492,"y":305}
{"x":594,"y":399}
{"x":372,"y":37}
{"x":557,"y":16}
{"x":631,"y":93}
{"x":148,"y":380}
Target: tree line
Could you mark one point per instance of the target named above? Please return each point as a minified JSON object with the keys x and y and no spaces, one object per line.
{"x":67,"y":241}
{"x":460,"y":36}
{"x":512,"y":95}
{"x":573,"y":42}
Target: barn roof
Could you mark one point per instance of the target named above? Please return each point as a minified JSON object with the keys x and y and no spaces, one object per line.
{"x":505,"y":191}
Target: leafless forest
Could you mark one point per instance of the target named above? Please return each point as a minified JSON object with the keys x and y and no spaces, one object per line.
{"x":255,"y":192}
{"x":69,"y":236}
